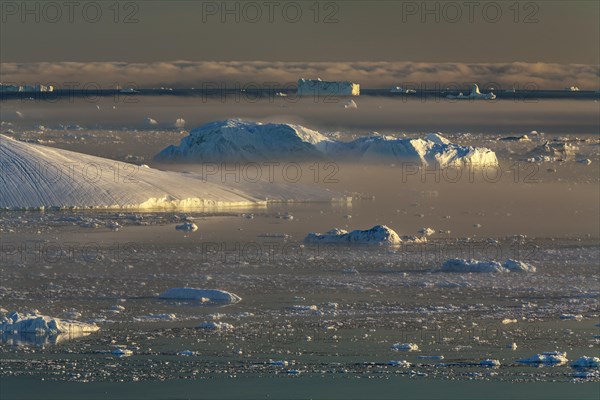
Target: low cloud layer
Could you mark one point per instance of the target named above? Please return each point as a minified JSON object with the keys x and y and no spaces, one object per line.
{"x":180,"y":74}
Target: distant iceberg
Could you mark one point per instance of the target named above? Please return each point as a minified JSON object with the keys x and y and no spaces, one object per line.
{"x":317,"y":87}
{"x":474,"y":95}
{"x":244,"y":141}
{"x":379,"y":235}
{"x":461,"y":265}
{"x":399,"y":89}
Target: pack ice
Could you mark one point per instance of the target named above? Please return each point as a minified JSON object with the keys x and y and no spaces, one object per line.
{"x":236,"y":140}
{"x":39,"y":324}
{"x":37,"y":177}
{"x":213,"y":295}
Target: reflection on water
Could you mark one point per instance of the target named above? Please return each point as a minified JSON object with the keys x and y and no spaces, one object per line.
{"x":29,"y":339}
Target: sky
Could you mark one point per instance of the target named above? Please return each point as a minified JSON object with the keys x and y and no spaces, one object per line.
{"x":536,"y":40}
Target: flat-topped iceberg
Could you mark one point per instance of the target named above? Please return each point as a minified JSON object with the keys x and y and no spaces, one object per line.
{"x":379,"y":234}
{"x":462,"y":265}
{"x":212,"y":295}
{"x":43,"y":325}
{"x":40,"y":177}
{"x":244,"y":141}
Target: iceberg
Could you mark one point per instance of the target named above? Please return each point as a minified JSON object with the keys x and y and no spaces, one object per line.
{"x":243,"y":141}
{"x":405,"y":346}
{"x":215,"y":326}
{"x":474,"y":95}
{"x":399,"y":89}
{"x":462,"y":265}
{"x":38,"y":177}
{"x":586,"y":362}
{"x":42,"y":325}
{"x":317,"y":87}
{"x":553,"y":151}
{"x":379,"y":235}
{"x":187,"y":227}
{"x":213,"y":295}
{"x":551,"y":357}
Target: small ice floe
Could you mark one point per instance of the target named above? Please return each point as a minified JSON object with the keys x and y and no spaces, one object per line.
{"x":512,"y":346}
{"x":301,"y":307}
{"x":157,"y":317}
{"x":213,"y":295}
{"x":119,"y":352}
{"x":38,"y":324}
{"x":518,"y":266}
{"x":575,"y":317}
{"x":151,"y":121}
{"x":426,"y":231}
{"x":507,"y":321}
{"x":522,"y":138}
{"x":462,"y":265}
{"x":187,"y":353}
{"x":490,"y":363}
{"x":551,"y":357}
{"x":379,"y":235}
{"x":180,"y":123}
{"x":586,"y":362}
{"x":402,"y":363}
{"x":117,"y":308}
{"x":351,"y":104}
{"x":431,"y":357}
{"x":187,"y":227}
{"x":215,"y":326}
{"x":405,"y":347}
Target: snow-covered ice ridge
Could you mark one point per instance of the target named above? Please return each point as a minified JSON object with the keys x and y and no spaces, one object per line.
{"x":317,"y":87}
{"x":39,"y":177}
{"x":237,"y":140}
{"x":43,"y":325}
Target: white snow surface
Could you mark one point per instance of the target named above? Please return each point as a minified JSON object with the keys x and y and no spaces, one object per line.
{"x":37,"y":177}
{"x":236,"y":140}
{"x":214,"y":295}
{"x":39,"y":324}
{"x":379,"y":235}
